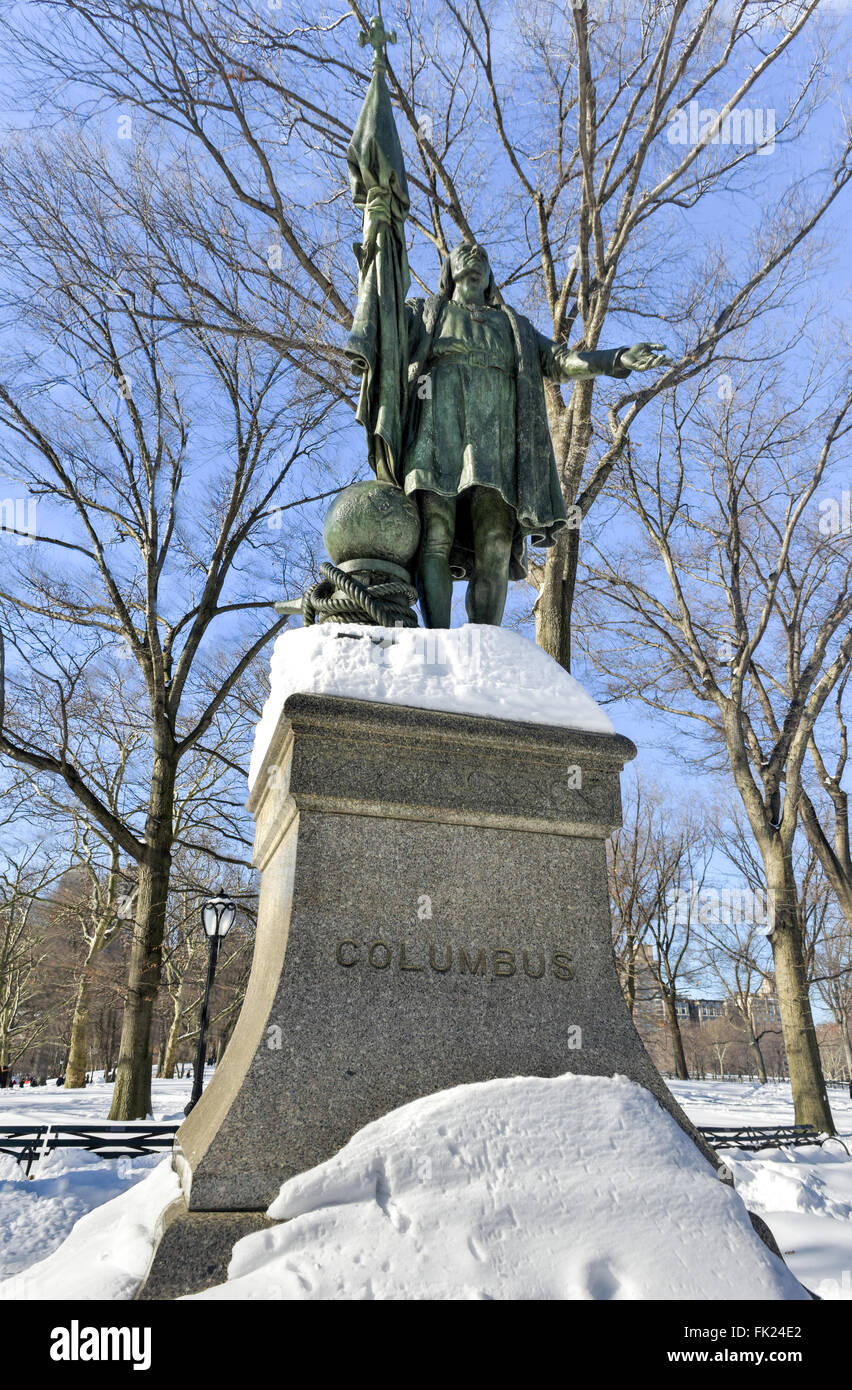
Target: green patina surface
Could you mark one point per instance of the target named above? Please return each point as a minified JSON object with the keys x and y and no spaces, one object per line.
{"x":452,"y":387}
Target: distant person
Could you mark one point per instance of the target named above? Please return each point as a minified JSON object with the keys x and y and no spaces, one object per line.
{"x":60,"y":1080}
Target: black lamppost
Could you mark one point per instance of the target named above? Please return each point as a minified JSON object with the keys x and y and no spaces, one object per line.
{"x":217,"y":918}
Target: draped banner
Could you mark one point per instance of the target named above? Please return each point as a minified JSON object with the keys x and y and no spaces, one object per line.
{"x":378,"y":343}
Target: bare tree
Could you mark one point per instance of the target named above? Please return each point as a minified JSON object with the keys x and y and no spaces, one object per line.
{"x":629,"y":855}
{"x":23,"y":925}
{"x":831,"y":964}
{"x":99,"y":885}
{"x":834,"y":982}
{"x":185,"y":958}
{"x":593,"y":149}
{"x":735,"y":951}
{"x":96,"y":910}
{"x":721,"y":1038}
{"x":834,"y":845}
{"x":157,"y":458}
{"x":678,"y":845}
{"x":653,"y":868}
{"x":730,"y":615}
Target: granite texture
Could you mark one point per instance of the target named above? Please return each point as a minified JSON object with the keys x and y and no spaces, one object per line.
{"x":194,"y":1250}
{"x":433,"y":911}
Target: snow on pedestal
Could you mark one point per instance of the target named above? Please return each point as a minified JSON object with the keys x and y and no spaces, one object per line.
{"x":473,"y":669}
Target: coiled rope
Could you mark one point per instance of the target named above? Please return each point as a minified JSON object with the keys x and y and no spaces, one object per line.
{"x":340,"y":598}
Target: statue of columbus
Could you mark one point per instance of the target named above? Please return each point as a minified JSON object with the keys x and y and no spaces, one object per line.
{"x":452,"y":390}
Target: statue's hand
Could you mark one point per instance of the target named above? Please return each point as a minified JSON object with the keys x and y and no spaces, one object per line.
{"x":377,"y":213}
{"x":643,"y":357}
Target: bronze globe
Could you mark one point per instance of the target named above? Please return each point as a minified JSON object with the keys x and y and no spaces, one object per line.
{"x":372,"y":521}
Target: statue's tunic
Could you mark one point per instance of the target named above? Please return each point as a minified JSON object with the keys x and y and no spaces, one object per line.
{"x":466,"y":431}
{"x":476,"y":416}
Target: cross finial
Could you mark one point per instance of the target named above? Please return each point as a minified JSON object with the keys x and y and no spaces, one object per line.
{"x":378,"y":36}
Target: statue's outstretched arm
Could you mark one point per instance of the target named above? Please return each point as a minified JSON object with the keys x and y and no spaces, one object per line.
{"x":562,"y":363}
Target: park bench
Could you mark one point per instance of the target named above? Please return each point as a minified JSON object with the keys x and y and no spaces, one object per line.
{"x":117,"y":1139}
{"x":756,"y":1137}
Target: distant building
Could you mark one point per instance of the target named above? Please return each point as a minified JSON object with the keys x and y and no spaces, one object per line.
{"x":702,"y":1010}
{"x":649,"y":1008}
{"x":764,"y":1005}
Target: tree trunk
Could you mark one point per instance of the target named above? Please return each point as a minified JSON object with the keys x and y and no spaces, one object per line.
{"x":847,"y":1048}
{"x":170,"y":1054}
{"x":75,"y":1072}
{"x":131,"y":1099}
{"x":678,"y":1054}
{"x":754,"y":1047}
{"x":630,"y":978}
{"x":797,"y":1025}
{"x":552,"y":609}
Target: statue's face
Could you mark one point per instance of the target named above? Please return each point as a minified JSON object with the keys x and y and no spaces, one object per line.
{"x":470,"y":260}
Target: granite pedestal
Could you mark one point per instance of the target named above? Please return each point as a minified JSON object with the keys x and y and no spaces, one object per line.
{"x":433,"y":911}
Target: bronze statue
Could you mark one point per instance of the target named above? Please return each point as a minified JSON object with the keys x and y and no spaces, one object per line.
{"x":452,"y":394}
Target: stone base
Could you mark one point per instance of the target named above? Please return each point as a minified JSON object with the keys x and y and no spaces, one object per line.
{"x":194,"y":1249}
{"x":492,"y":1191}
{"x":433,"y":911}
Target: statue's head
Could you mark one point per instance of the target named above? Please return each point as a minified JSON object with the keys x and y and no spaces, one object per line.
{"x":468,"y":259}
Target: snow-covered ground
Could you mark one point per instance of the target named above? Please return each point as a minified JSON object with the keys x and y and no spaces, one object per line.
{"x":38,"y":1105}
{"x":805,"y":1195}
{"x":748,"y":1103}
{"x":37,"y":1214}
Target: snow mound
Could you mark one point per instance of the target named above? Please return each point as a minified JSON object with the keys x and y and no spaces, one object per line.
{"x":475,"y":669}
{"x":572,"y":1188}
{"x":778,"y":1184}
{"x":108,"y":1251}
{"x":37,"y":1214}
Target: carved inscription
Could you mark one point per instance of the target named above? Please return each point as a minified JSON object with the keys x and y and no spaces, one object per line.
{"x":429,"y":958}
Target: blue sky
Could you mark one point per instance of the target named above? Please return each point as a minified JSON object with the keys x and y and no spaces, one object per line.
{"x":723,"y":224}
